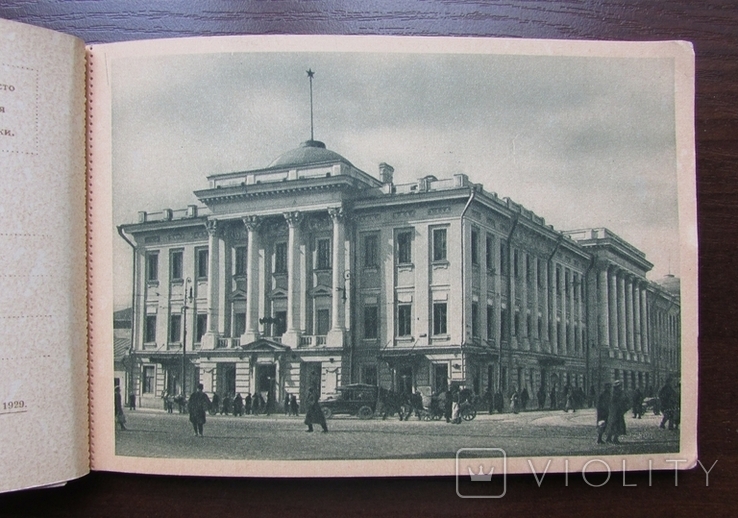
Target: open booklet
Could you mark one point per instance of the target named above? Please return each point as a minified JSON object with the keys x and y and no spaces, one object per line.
{"x":456,"y":256}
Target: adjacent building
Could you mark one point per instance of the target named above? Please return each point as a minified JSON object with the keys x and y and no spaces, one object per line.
{"x":313,"y":273}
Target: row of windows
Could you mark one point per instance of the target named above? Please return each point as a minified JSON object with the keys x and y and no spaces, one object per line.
{"x":175,"y":328}
{"x":176,"y":269}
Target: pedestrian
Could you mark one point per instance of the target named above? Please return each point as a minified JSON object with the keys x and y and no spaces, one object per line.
{"x":499,"y":401}
{"x":541,"y":398}
{"x":553,"y":398}
{"x":227,"y":403}
{"x":120,"y":417}
{"x":569,"y":405}
{"x":215,"y":404}
{"x":247,"y":403}
{"x":524,"y":398}
{"x":514,"y":401}
{"x":132,"y":400}
{"x":637,"y":403}
{"x":238,"y":405}
{"x":199,"y":405}
{"x":448,"y":405}
{"x":456,"y":407}
{"x":314,"y":414}
{"x":287,"y":404}
{"x":603,"y":408}
{"x":667,"y":402}
{"x":619,"y":405}
{"x":294,"y":408}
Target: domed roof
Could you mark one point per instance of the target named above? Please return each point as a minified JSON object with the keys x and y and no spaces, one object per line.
{"x":670,"y":283}
{"x":310,"y":152}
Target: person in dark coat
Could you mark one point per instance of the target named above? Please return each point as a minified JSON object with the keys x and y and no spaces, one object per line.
{"x":294,"y":408}
{"x":524,"y":398}
{"x":499,"y":401}
{"x":215,"y":404}
{"x":199,"y":405}
{"x":553,"y":398}
{"x":227,"y":404}
{"x":448,"y":405}
{"x":619,"y":405}
{"x":120,"y":417}
{"x":247,"y":403}
{"x":541,"y":398}
{"x":238,"y":405}
{"x":667,"y":401}
{"x":132,"y":401}
{"x":287,"y":404}
{"x":314,"y":414}
{"x":637,"y":403}
{"x":603,"y":408}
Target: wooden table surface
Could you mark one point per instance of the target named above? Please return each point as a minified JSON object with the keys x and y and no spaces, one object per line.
{"x":713,"y":28}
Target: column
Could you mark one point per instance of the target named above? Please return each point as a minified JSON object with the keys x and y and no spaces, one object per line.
{"x":622,"y":339}
{"x":580,"y":317}
{"x":210,"y":339}
{"x":544,"y":312}
{"x":338,"y":327}
{"x":292,"y":336}
{"x":637,"y":315}
{"x":534,"y":304}
{"x":629,"y":315}
{"x":524,"y":338}
{"x":613,"y":307}
{"x":564,"y":304}
{"x":252,"y":280}
{"x":572,"y":313}
{"x":644,"y":321}
{"x":603,"y":309}
{"x":554,"y":310}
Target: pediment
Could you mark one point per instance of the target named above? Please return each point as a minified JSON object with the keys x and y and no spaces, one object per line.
{"x":278,"y":293}
{"x":264,"y":346}
{"x":320,"y":290}
{"x":238,"y":295}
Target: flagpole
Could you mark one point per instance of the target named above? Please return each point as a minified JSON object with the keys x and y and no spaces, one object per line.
{"x":310,"y":74}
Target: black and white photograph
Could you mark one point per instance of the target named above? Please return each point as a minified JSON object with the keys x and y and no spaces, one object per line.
{"x":395,"y":249}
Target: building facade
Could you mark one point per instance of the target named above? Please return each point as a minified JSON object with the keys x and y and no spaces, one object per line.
{"x":313,"y":273}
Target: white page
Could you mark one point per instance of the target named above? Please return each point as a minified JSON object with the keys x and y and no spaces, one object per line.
{"x":43,"y":364}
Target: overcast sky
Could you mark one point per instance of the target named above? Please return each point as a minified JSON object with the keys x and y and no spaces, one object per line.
{"x":583,"y":142}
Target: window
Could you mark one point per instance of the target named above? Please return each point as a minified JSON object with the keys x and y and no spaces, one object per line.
{"x":475,"y":319}
{"x":176,"y":265}
{"x":504,"y":325}
{"x":369,"y":374}
{"x":241,"y":260}
{"x":404,"y":247}
{"x":202,"y":263}
{"x":201,"y":326}
{"x":280,"y":258}
{"x":280,"y":323}
{"x":149,"y":377}
{"x":515,"y":264}
{"x":152,"y":267}
{"x":475,"y":246}
{"x":490,"y":322}
{"x":371,"y":321}
{"x":439,"y":318}
{"x":175,"y":328}
{"x":323,"y":261}
{"x":439,"y":244}
{"x":239,"y":324}
{"x":404,"y":320}
{"x":322,"y":322}
{"x":150,"y":331}
{"x":528,"y":326}
{"x":371,"y":251}
{"x":489,"y":255}
{"x":527,"y":268}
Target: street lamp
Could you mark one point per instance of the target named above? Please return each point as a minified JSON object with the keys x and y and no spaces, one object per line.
{"x":187,"y":298}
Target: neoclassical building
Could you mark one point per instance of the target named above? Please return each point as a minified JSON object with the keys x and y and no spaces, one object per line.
{"x":311,"y":272}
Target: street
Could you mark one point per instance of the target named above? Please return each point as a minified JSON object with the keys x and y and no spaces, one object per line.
{"x":278,"y":437}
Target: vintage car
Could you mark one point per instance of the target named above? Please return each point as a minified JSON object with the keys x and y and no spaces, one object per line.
{"x":356,"y":399}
